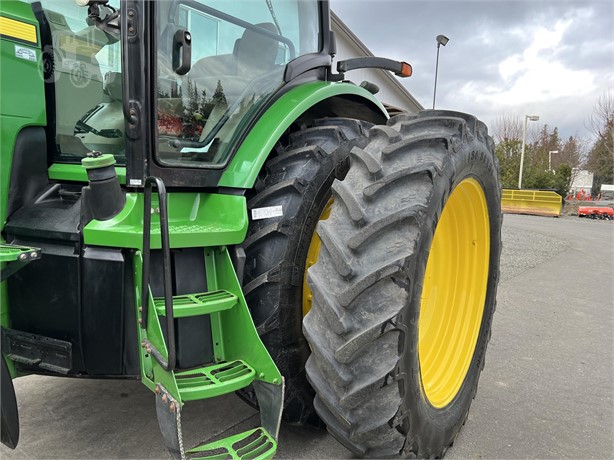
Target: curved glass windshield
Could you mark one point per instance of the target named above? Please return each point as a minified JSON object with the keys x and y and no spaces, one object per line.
{"x":239,"y":50}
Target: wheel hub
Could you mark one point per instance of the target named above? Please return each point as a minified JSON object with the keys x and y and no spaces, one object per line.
{"x":453,"y":293}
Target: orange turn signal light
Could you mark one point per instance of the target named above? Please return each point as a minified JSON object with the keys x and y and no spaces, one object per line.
{"x":406,"y":70}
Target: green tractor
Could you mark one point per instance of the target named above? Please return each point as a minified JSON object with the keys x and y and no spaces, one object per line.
{"x":192,"y":196}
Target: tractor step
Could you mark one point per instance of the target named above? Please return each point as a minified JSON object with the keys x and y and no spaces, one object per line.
{"x":11,"y":253}
{"x":252,"y":444}
{"x":197,"y":304}
{"x":214,"y":380}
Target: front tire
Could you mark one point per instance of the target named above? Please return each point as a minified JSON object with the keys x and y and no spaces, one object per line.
{"x":405,"y":286}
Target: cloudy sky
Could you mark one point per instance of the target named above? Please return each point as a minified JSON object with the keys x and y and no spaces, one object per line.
{"x":548,"y":58}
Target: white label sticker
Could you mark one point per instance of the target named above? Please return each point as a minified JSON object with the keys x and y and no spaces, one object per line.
{"x":267,"y":213}
{"x":136,"y":182}
{"x":25,"y":53}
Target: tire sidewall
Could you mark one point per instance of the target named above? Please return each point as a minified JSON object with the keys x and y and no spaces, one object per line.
{"x":435,"y":426}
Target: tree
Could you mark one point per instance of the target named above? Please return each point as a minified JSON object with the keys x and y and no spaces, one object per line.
{"x":536,"y":173}
{"x":218,"y":96}
{"x":601,"y":157}
{"x":561,"y":180}
{"x":507,"y":127}
{"x":574,"y":154}
{"x":508,"y":153}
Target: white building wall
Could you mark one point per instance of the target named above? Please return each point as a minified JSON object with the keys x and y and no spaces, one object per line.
{"x":391,"y":91}
{"x":583,"y":180}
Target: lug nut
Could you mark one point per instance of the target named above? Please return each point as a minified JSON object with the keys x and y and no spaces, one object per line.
{"x":158,"y":390}
{"x":172,"y":407}
{"x":23,"y":257}
{"x":164,"y":398}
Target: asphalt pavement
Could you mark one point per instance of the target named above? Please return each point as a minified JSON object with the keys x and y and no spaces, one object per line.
{"x":546,"y":391}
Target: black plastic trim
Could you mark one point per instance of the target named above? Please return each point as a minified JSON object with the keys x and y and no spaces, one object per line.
{"x":28,"y":169}
{"x":371,"y":62}
{"x":305,"y":63}
{"x":49,"y":65}
{"x":36,"y":350}
{"x":137,"y":30}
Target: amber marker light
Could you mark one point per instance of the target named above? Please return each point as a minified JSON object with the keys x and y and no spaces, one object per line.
{"x":406,"y":70}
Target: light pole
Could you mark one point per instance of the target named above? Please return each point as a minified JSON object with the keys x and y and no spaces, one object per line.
{"x":441,"y":40}
{"x":524,"y":139}
{"x":550,"y":158}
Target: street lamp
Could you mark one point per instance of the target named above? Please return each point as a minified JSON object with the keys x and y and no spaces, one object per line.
{"x":550,"y":158}
{"x":441,"y":40}
{"x":524,"y":139}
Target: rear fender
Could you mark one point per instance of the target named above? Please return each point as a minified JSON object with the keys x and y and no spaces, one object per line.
{"x":323,"y":98}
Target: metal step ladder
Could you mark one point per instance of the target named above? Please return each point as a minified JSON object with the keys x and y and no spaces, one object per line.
{"x":240,"y":358}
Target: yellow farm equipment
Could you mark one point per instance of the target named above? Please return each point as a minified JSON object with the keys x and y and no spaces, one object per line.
{"x":534,"y":202}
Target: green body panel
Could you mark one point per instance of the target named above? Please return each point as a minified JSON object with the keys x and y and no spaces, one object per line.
{"x":195,"y":220}
{"x":22,"y":104}
{"x":76,"y":172}
{"x":249,"y":159}
{"x":22,"y":100}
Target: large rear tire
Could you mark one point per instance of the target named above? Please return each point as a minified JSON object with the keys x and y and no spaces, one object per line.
{"x":297,"y":177}
{"x":405,"y":285}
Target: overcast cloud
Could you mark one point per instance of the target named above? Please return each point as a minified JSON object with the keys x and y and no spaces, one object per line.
{"x":549,"y":58}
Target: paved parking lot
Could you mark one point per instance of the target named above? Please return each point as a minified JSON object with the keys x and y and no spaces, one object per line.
{"x":546,"y":391}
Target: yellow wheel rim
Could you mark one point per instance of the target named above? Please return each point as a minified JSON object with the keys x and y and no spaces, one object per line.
{"x":312,"y":257}
{"x":453,"y":293}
